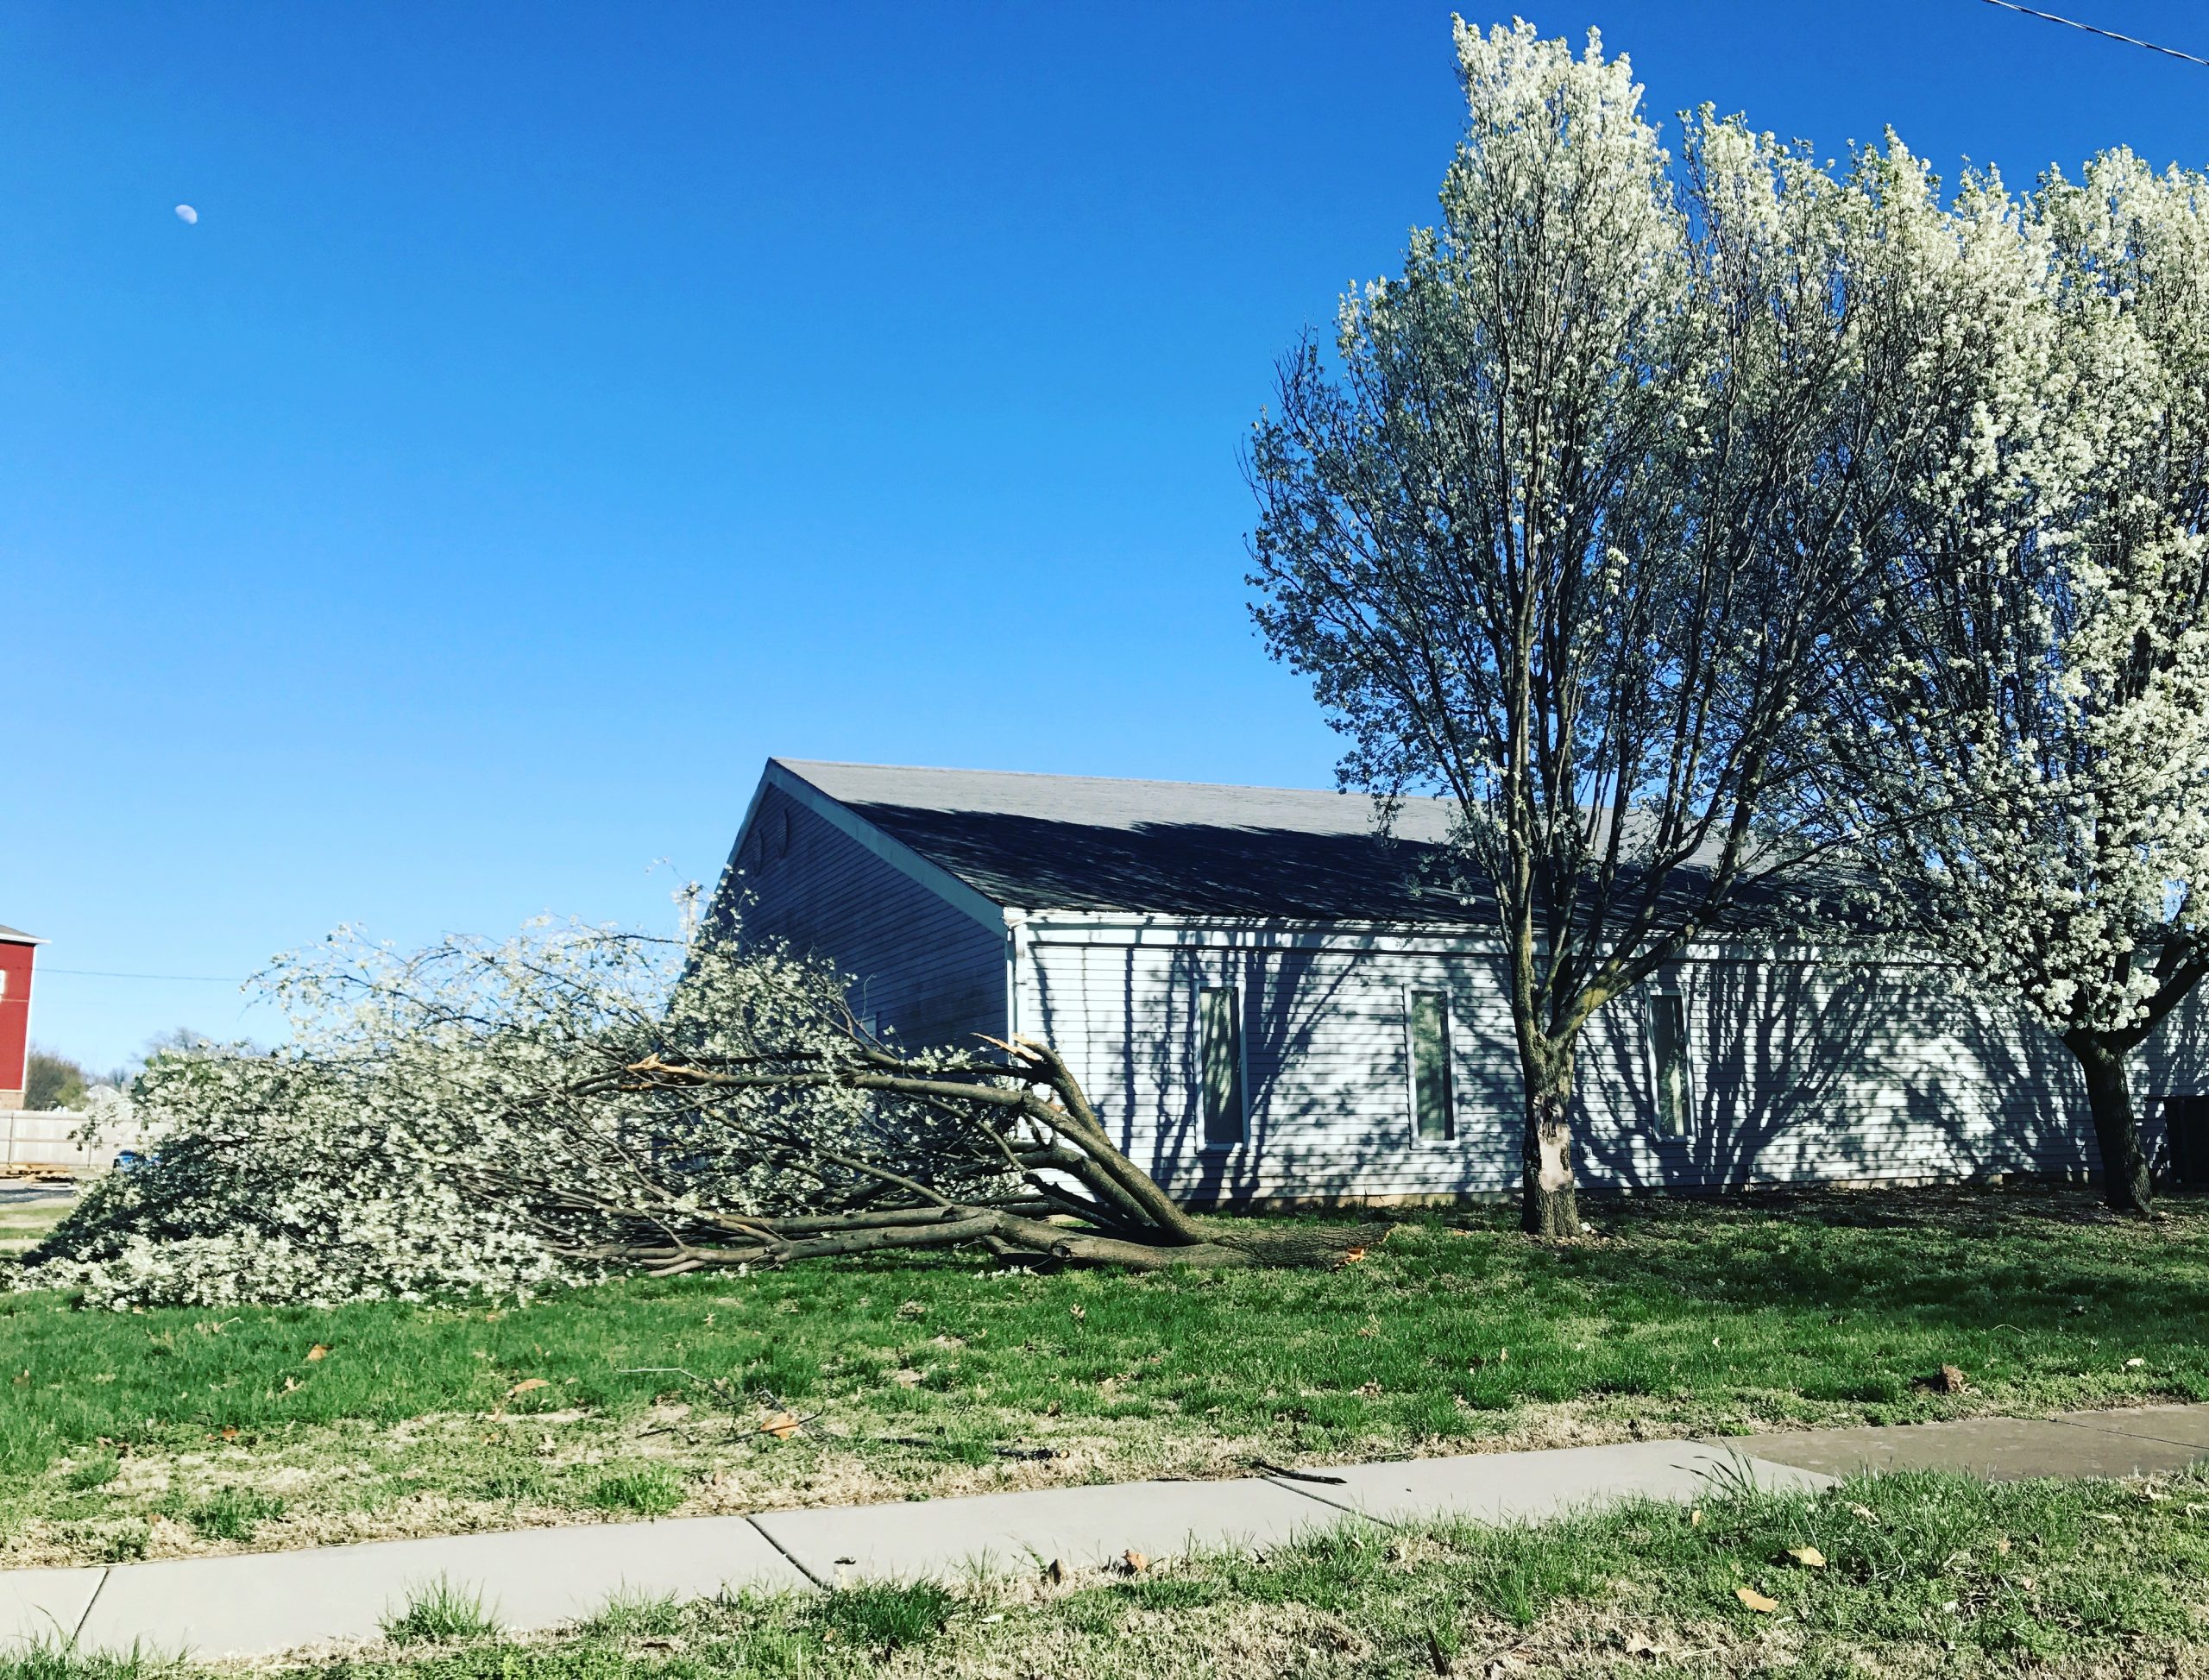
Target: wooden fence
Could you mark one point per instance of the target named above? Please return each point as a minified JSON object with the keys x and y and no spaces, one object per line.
{"x":48,"y":1137}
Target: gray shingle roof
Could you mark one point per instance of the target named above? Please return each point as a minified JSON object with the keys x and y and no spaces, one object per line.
{"x":1172,"y":848}
{"x":16,"y":935}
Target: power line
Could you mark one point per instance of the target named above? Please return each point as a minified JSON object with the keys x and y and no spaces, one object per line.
{"x":119,"y":974}
{"x":2106,"y":35}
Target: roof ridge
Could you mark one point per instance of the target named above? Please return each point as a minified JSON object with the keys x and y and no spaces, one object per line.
{"x":802,"y":765}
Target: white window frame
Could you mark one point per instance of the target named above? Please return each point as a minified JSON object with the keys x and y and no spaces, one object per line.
{"x":1204,"y":1146}
{"x":1450,"y":1139}
{"x":1672,"y":989}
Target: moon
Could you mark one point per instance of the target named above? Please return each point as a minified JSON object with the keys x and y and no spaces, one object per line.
{"x":186,"y":214}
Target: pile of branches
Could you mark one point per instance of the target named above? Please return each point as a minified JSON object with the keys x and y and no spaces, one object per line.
{"x":1005,"y":1152}
{"x":494,"y":1119}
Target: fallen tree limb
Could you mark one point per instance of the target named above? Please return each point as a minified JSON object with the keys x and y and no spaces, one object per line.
{"x":1053,"y":1187}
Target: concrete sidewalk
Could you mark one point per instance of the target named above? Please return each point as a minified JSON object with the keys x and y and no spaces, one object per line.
{"x":533,"y":1578}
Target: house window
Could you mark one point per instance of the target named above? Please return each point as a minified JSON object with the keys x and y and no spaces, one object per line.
{"x":1668,"y":1056}
{"x":1432,"y":1119}
{"x":1219,"y":1064}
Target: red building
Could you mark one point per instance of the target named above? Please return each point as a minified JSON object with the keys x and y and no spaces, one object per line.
{"x":16,"y":951}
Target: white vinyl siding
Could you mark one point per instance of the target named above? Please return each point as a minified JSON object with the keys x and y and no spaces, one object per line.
{"x":1797,"y":1073}
{"x":921,"y":968}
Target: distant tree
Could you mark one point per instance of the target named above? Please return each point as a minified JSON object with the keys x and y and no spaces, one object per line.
{"x":175,"y":1038}
{"x":51,"y":1081}
{"x":1565,"y":530}
{"x":2024,"y":756}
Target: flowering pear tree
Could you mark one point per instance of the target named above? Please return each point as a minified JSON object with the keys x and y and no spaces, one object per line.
{"x":492,"y":1118}
{"x":2025,"y":751}
{"x":1563,"y":531}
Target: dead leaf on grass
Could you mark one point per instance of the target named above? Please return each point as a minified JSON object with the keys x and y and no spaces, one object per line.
{"x":906,"y":1379}
{"x":1695,"y":1518}
{"x":781,"y":1425}
{"x":319,"y":1350}
{"x":230,"y":1432}
{"x":1753,"y":1600}
{"x":1055,"y":1572}
{"x":527,"y":1385}
{"x":1809,"y":1556}
{"x":1948,"y":1380}
{"x":1135,"y":1562}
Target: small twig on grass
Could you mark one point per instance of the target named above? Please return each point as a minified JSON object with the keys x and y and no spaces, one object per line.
{"x":718,"y":1387}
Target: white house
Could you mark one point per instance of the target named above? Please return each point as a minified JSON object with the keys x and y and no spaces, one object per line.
{"x":1264,"y":1005}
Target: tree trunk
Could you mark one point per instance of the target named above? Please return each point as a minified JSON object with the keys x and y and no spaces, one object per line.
{"x":1549,"y":1203}
{"x":2109,"y":1101}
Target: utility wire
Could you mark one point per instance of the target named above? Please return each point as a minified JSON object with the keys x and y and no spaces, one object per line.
{"x":2106,"y":35}
{"x":119,"y":974}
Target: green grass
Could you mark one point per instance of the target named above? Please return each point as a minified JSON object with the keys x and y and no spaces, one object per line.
{"x":23,"y":1224}
{"x":440,"y":1613}
{"x":1922,"y":1575}
{"x":648,"y":1490}
{"x":53,"y":1660}
{"x":231,"y":1512}
{"x":1716,"y":1316}
{"x":96,"y":1471}
{"x":883,"y":1616}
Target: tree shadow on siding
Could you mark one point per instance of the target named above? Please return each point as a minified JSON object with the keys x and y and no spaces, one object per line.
{"x":1807,"y":1073}
{"x":1283,"y":993}
{"x":1145,"y":1086}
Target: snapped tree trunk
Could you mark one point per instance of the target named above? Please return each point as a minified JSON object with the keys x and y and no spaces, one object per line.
{"x":1548,"y":1202}
{"x":2116,"y":1133}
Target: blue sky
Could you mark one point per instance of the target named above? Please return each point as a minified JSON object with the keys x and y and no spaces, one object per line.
{"x":557,"y":410}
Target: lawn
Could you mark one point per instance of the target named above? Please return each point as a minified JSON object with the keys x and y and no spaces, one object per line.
{"x":1898,"y":1575}
{"x":162,"y":1433}
{"x":27,"y":1210}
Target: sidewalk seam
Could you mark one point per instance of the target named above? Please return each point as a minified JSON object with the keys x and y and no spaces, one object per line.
{"x":818,"y":1582}
{"x":78,"y":1631}
{"x":2126,"y":1434}
{"x":1331,"y":1504}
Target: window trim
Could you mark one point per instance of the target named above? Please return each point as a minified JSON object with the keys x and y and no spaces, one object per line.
{"x":1449,"y":1138}
{"x":1659,"y":991}
{"x":1233,"y":988}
